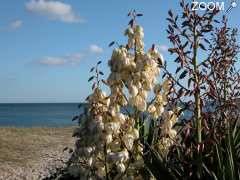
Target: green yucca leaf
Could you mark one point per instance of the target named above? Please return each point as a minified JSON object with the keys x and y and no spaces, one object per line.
{"x":210,"y":172}
{"x":226,"y":154}
{"x":219,"y":160}
{"x":156,"y":164}
{"x":151,"y":132}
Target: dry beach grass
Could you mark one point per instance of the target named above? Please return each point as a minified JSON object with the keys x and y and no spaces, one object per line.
{"x":25,"y":153}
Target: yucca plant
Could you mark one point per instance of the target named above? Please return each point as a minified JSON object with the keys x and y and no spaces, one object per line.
{"x":113,"y":139}
{"x":115,"y":143}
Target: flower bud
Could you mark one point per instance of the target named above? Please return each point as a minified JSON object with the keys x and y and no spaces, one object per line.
{"x":159,"y":98}
{"x":172,"y":133}
{"x":161,"y":59}
{"x":90,"y":161}
{"x":166,"y":85}
{"x":131,"y":43}
{"x":108,"y":138}
{"x":118,"y":156}
{"x":139,"y":31}
{"x":121,"y":167}
{"x":129,"y":32}
{"x":128,"y":141}
{"x":143,"y":94}
{"x":120,"y":118}
{"x":151,"y":108}
{"x":135,"y":133}
{"x":157,"y":88}
{"x":133,"y":90}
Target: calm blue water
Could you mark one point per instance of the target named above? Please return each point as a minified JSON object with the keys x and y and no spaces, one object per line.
{"x":42,"y":114}
{"x":38,"y":115}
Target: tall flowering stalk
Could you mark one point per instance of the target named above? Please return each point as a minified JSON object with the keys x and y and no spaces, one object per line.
{"x":206,"y":86}
{"x":108,"y":144}
{"x":189,"y":40}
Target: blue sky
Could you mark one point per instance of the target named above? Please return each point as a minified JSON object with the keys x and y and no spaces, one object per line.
{"x":47,"y":47}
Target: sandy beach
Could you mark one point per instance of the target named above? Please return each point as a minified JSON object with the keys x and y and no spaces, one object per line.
{"x":33,"y":153}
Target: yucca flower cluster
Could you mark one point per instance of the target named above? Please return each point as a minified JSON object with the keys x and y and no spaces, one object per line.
{"x":169,"y":118}
{"x":168,"y":133}
{"x":156,"y":108}
{"x":108,"y":144}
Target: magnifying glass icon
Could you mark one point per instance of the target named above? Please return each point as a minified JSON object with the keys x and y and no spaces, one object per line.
{"x":233,"y":5}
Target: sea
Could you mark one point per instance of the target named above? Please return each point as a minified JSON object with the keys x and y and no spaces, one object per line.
{"x":46,"y":114}
{"x":38,"y":114}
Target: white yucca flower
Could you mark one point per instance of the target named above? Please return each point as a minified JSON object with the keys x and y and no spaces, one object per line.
{"x":121,"y":167}
{"x":108,"y":138}
{"x":129,"y":32}
{"x":151,"y":108}
{"x":139,"y":32}
{"x":128,"y":140}
{"x":120,"y":118}
{"x":133,"y":90}
{"x":118,"y":157}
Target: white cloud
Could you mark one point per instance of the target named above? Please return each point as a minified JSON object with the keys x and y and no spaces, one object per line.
{"x":55,"y":61}
{"x":95,"y":49}
{"x":162,"y":47}
{"x":15,"y":24}
{"x":12,"y":26}
{"x":75,"y":58}
{"x":71,"y":59}
{"x":54,"y":10}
